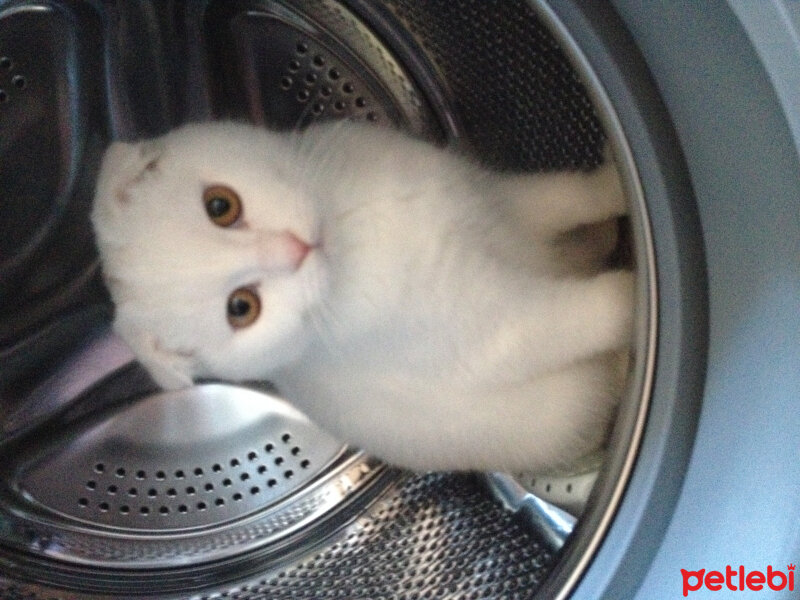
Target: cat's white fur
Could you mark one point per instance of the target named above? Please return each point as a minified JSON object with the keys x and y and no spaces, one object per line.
{"x":440,"y":321}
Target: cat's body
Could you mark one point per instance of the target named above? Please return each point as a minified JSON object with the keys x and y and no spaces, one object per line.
{"x":410,"y":302}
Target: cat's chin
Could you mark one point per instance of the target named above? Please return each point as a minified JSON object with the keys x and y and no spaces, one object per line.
{"x":314,"y":277}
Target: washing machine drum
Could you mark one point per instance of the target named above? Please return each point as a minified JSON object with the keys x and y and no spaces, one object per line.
{"x":110,"y":487}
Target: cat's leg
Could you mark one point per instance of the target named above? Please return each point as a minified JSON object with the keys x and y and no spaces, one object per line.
{"x":552,"y":203}
{"x":593,"y":315}
{"x":544,"y":422}
{"x":555,"y":420}
{"x":582,"y":318}
{"x":559,"y":323}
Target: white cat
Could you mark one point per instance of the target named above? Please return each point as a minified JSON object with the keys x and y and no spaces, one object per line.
{"x":409,"y":301}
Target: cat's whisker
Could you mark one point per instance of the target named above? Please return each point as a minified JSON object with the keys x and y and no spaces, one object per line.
{"x":323,"y":318}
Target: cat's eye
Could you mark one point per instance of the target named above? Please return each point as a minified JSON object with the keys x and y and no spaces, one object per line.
{"x":244,"y":306}
{"x":223,"y":205}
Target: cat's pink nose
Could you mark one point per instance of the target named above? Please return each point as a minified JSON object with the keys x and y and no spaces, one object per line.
{"x":283,"y":251}
{"x":297,"y":249}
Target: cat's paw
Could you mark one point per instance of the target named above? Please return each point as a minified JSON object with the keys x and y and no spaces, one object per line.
{"x":615,"y":291}
{"x":608,"y":189}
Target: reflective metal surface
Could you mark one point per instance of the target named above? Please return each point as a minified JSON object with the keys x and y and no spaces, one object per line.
{"x":435,"y":535}
{"x":177,"y":477}
{"x":551,"y":523}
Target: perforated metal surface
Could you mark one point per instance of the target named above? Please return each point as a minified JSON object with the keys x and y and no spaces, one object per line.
{"x":176,"y":460}
{"x":12,"y":82}
{"x":190,"y":476}
{"x":325,"y":85}
{"x":520,"y":102}
{"x":300,"y":62}
{"x":432,"y":536}
{"x":436,"y":536}
{"x":90,"y":547}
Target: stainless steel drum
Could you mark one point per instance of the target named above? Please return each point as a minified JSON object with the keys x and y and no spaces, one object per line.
{"x":110,"y":488}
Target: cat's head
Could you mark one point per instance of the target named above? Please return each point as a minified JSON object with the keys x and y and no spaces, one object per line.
{"x":210,"y":251}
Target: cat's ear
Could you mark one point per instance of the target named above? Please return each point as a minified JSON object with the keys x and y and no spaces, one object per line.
{"x":170,"y":370}
{"x":150,"y":152}
{"x":166,"y":375}
{"x":125,"y":164}
{"x":134,"y":158}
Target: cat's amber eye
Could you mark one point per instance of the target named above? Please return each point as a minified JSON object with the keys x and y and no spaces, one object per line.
{"x":223,"y":205}
{"x":244,"y":306}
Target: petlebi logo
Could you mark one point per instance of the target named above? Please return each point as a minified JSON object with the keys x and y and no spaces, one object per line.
{"x":739,"y":580}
